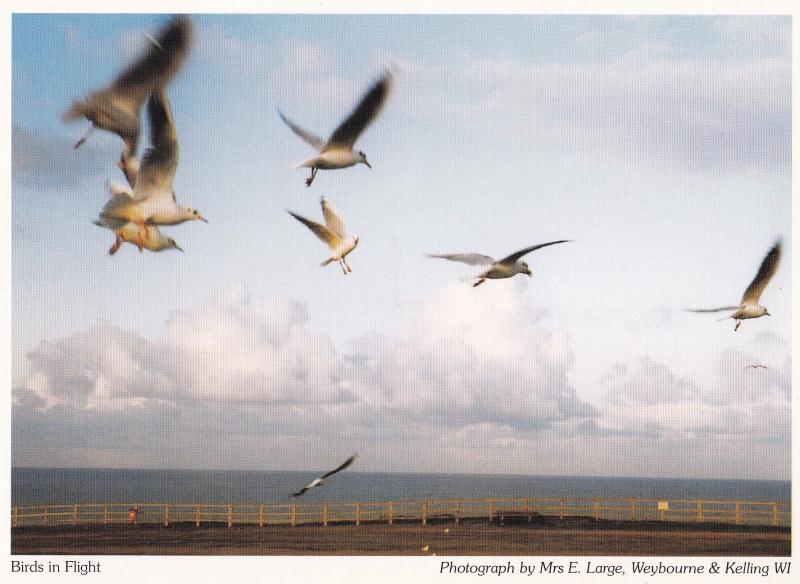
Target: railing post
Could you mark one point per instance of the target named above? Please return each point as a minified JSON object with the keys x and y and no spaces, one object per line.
{"x":197,"y":515}
{"x":597,"y":508}
{"x":775,"y":513}
{"x":489,"y":509}
{"x":261,"y":515}
{"x":230,"y":515}
{"x":561,"y":508}
{"x":633,"y":509}
{"x":358,"y":513}
{"x":737,"y":513}
{"x":699,"y":510}
{"x":458,"y":510}
{"x":424,"y":512}
{"x":166,"y":514}
{"x":293,"y":518}
{"x":105,"y":514}
{"x":390,"y":513}
{"x":16,"y":517}
{"x":528,"y":508}
{"x":45,"y":515}
{"x":325,"y":514}
{"x":75,"y":515}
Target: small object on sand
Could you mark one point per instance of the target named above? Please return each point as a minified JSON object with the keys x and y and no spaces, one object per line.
{"x":425,"y":548}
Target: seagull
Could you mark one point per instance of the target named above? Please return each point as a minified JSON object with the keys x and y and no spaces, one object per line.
{"x":338,"y":152}
{"x":756,"y":367}
{"x":505,"y":268}
{"x":147,"y":236}
{"x":116,"y":107}
{"x":153,"y":199}
{"x":333,"y":234}
{"x":749,"y":306}
{"x":321,"y":480}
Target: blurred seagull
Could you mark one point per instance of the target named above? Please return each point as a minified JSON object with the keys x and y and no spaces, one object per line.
{"x":147,"y":236}
{"x":749,"y":306}
{"x":338,"y":152}
{"x":505,"y":268}
{"x":321,"y":480}
{"x":756,"y":367}
{"x":333,"y":234}
{"x":153,"y":199}
{"x":116,"y":107}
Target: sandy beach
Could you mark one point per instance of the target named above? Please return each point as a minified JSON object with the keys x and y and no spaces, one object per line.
{"x":572,"y":536}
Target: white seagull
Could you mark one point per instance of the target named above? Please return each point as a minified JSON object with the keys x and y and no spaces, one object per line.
{"x":153,"y":200}
{"x":143,"y":237}
{"x":321,"y":480}
{"x":749,"y":306}
{"x":505,"y":268}
{"x":333,"y":234}
{"x":338,"y":152}
{"x":116,"y":108}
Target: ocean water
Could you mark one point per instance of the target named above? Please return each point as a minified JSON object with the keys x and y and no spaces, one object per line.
{"x":34,"y":486}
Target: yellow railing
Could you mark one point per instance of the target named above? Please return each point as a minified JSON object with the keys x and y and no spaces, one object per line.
{"x":499,"y":510}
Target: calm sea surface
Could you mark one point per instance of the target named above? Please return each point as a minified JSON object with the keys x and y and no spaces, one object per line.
{"x":31,"y":486}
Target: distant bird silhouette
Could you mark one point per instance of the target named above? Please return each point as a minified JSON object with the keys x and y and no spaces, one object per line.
{"x":749,"y":306}
{"x":338,"y":152}
{"x":756,"y":367}
{"x":116,"y":108}
{"x":505,"y":268}
{"x":321,"y":480}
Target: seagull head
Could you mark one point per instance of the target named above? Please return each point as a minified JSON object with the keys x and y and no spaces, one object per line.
{"x":355,"y":242}
{"x":526,"y":270}
{"x":173,"y":244}
{"x":195,"y":214}
{"x":767,"y":312}
{"x":363,"y":158}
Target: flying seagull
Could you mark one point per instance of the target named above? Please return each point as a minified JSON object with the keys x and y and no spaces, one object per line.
{"x":338,"y":152}
{"x":756,"y":367}
{"x":147,"y":236}
{"x":333,"y":234}
{"x":153,"y":199}
{"x":749,"y":306}
{"x":505,"y":268}
{"x":321,"y":480}
{"x":116,"y":107}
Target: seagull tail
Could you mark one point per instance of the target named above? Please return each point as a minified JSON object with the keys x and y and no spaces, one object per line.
{"x":75,"y":112}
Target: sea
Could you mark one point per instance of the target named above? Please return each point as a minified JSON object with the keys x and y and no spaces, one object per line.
{"x":40,"y":486}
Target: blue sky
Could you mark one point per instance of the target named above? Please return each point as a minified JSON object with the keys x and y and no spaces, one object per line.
{"x":661,"y":145}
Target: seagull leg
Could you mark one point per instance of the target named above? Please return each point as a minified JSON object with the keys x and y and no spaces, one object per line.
{"x":85,"y":136}
{"x":310,"y":179}
{"x":738,"y":324}
{"x":114,"y":248}
{"x":341,"y":265}
{"x":346,"y":265}
{"x":479,"y":282}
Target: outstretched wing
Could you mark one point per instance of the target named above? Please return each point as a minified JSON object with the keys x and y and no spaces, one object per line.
{"x":768,"y":268}
{"x":307,"y":136}
{"x":332,"y":220}
{"x":518,"y":254}
{"x":343,"y":466}
{"x":473,"y":259}
{"x":372,"y":102}
{"x":320,"y":231}
{"x":160,"y":162}
{"x":163,"y":58}
{"x":711,"y":309}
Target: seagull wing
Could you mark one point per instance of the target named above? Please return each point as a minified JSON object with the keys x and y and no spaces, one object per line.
{"x":372,"y":102}
{"x":764,"y":275}
{"x":343,"y":466}
{"x":160,"y":162}
{"x":158,"y":64}
{"x":310,"y":138}
{"x":712,"y":309}
{"x":518,"y":254}
{"x":332,"y":220}
{"x":473,"y":259}
{"x":325,"y":234}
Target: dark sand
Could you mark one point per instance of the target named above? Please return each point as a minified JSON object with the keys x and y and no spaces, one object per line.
{"x":548,"y":537}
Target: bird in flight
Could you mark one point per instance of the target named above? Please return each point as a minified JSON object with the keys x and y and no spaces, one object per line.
{"x":321,"y":480}
{"x":333,"y":234}
{"x":116,"y":107}
{"x":749,"y":306}
{"x":505,"y":268}
{"x":143,"y":237}
{"x":759,"y":366}
{"x":338,"y":151}
{"x":153,"y":199}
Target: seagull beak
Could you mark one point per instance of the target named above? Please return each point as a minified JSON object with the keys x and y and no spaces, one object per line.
{"x":529,"y":274}
{"x":179,"y":248}
{"x":203,"y":219}
{"x":367,"y":163}
{"x":768,"y":314}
